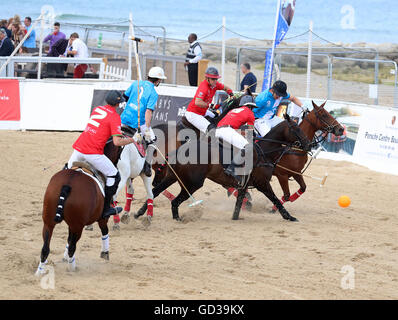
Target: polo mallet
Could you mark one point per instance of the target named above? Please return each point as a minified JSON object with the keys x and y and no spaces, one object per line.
{"x":194,"y":201}
{"x":323,"y":180}
{"x":137,"y":62}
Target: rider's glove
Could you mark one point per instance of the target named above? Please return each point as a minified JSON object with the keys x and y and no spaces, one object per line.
{"x":147,"y":136}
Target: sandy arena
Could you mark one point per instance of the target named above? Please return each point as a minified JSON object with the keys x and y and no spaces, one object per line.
{"x":209,"y":256}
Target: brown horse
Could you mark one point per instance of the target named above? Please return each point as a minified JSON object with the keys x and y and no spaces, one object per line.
{"x":169,"y":138}
{"x":268,"y":150}
{"x":294,"y":161}
{"x":75,"y":197}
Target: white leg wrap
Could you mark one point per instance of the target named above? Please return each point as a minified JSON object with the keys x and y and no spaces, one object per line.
{"x":105,"y":243}
{"x":72,"y":263}
{"x":41,"y":269}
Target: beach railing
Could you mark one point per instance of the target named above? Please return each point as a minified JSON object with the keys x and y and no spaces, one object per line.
{"x":112,"y":72}
{"x":10,"y":70}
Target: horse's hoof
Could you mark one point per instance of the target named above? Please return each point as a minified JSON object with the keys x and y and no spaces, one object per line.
{"x":89,"y":228}
{"x":177,"y":218}
{"x":125,"y":218}
{"x":248,"y":206}
{"x":116,"y":227}
{"x":293,"y":219}
{"x":105,"y":255}
{"x":147,"y":221}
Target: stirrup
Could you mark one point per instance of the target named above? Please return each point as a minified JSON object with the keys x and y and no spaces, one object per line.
{"x":111,"y":211}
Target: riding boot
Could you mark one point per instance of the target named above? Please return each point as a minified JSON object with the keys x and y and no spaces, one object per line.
{"x":210,"y":132}
{"x":147,"y":170}
{"x":237,"y":161}
{"x":109,"y":193}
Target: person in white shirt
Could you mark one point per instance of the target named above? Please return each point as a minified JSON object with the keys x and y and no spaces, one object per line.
{"x":78,"y":49}
{"x":193,"y":56}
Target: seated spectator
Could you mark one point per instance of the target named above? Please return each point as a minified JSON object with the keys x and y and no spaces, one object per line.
{"x":54,"y":37}
{"x":57,"y":69}
{"x":79,"y":50}
{"x":6,"y":46}
{"x":249,"y":79}
{"x":4,"y":25}
{"x":30,"y":41}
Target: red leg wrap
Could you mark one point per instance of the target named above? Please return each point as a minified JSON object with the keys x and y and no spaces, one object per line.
{"x":150,"y":207}
{"x":129,"y":198}
{"x":295,"y":196}
{"x":168,"y":195}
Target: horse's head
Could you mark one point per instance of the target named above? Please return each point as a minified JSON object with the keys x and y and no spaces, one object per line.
{"x":322,"y":120}
{"x":293,"y":134}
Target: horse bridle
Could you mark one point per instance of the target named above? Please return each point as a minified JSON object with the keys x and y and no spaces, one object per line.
{"x":328,"y":127}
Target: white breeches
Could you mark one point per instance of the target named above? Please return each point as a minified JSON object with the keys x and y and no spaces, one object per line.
{"x":231,"y":136}
{"x":98,"y":161}
{"x":264,"y":125}
{"x":198,"y":121}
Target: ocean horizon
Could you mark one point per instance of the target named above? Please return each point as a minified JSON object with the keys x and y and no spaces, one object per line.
{"x":371,"y":21}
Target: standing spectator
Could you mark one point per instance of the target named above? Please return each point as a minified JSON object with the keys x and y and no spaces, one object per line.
{"x":194,"y":54}
{"x":4,"y":25}
{"x":17,"y":35}
{"x":249,"y":79}
{"x":54,"y":37}
{"x":79,"y":50}
{"x":30,"y":41}
{"x":57,"y":50}
{"x":6,"y":46}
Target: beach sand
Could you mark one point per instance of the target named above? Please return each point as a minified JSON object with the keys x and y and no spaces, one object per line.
{"x":209,"y":256}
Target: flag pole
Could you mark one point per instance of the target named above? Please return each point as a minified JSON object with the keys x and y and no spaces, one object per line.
{"x":273,"y":43}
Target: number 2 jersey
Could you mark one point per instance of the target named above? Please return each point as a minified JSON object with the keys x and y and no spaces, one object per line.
{"x":104,"y":122}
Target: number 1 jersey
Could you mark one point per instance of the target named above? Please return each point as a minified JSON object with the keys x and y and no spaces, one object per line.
{"x":104,"y":122}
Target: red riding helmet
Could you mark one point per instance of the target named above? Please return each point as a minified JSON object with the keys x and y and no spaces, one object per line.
{"x":212,"y":72}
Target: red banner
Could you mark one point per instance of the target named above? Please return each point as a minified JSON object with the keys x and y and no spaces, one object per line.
{"x":9,"y":100}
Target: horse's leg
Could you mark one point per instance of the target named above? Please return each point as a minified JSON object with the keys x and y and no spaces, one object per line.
{"x":246,"y":204}
{"x":74,"y":236}
{"x":265,"y":187}
{"x":103,"y":224}
{"x":184,"y":195}
{"x":129,"y":198}
{"x":300,"y":180}
{"x":149,"y":193}
{"x":45,"y":251}
{"x":163,"y":185}
{"x":284,"y":183}
{"x":238,"y":204}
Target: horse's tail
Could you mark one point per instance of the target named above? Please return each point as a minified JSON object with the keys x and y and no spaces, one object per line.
{"x":65,"y":191}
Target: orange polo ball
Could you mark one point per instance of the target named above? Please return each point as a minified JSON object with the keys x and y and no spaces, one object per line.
{"x":344,"y":201}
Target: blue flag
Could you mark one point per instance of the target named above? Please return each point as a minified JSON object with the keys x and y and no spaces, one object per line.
{"x":285,"y":12}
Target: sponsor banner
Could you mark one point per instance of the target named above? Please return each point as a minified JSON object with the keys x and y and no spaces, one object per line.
{"x":171,"y":104}
{"x":9,"y":100}
{"x":55,"y":106}
{"x":377,"y":141}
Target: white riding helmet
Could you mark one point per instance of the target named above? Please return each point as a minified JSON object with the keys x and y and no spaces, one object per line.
{"x":157,"y":73}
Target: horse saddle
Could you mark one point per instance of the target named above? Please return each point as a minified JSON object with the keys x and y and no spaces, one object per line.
{"x":129,"y":131}
{"x":91,"y":171}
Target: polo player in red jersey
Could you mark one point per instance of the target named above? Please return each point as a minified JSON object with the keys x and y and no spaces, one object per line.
{"x":197,"y":108}
{"x":89,"y":146}
{"x":226,"y":130}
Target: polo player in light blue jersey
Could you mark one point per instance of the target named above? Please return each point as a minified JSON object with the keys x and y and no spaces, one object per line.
{"x":147,"y":103}
{"x":267,"y":105}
